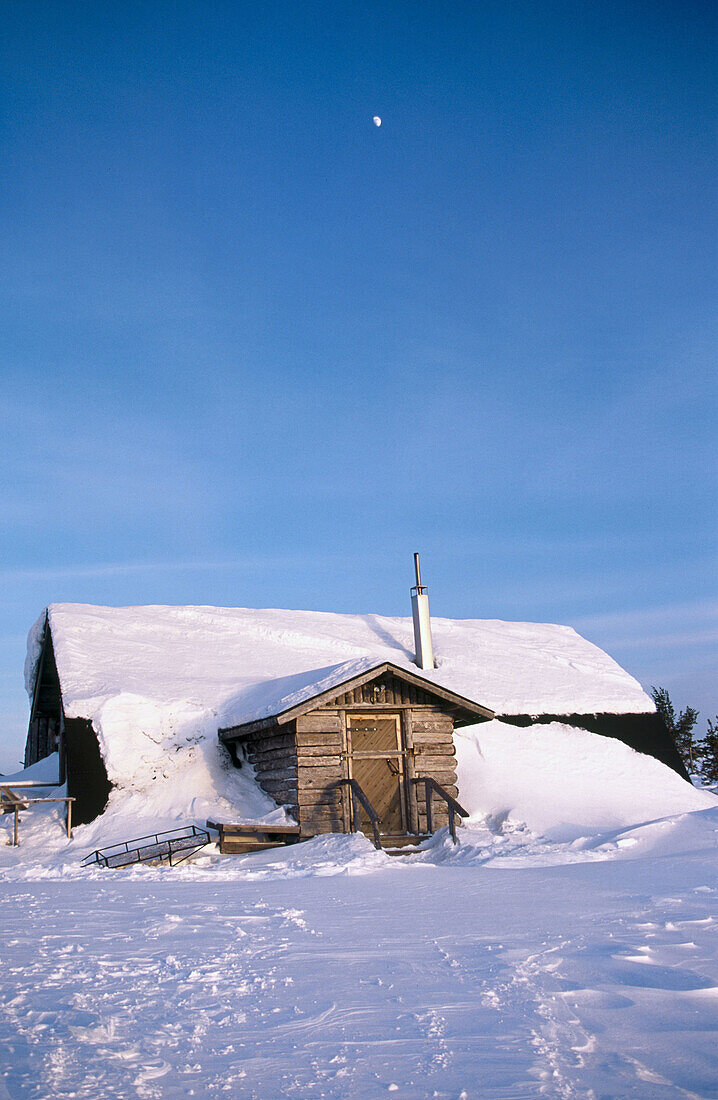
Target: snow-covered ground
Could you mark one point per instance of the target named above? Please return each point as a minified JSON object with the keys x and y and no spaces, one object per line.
{"x":567,"y":947}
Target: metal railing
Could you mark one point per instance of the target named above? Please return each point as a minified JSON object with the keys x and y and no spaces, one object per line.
{"x":432,"y":787}
{"x":163,"y":845}
{"x":359,"y":799}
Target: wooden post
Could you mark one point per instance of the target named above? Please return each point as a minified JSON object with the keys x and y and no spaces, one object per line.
{"x":429,"y":815}
{"x":17,"y":818}
{"x":452,"y":823}
{"x":69,"y":819}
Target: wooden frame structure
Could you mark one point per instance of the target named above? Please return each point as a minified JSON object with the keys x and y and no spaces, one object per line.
{"x":384,"y":729}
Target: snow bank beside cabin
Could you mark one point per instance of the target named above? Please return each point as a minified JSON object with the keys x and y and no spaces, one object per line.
{"x":564,"y":783}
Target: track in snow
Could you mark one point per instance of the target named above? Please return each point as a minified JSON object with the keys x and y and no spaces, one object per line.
{"x":582,"y":980}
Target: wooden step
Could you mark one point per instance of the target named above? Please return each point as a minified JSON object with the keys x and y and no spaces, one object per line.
{"x":252,"y":828}
{"x":244,"y":837}
{"x":398,"y":844}
{"x":241,"y":847}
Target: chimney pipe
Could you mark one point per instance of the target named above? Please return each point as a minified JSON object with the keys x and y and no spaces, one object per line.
{"x":422,"y":621}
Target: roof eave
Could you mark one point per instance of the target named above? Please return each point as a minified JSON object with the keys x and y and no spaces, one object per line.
{"x":472,"y":712}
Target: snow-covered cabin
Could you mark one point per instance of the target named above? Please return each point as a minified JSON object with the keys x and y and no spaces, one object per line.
{"x":310,"y":699}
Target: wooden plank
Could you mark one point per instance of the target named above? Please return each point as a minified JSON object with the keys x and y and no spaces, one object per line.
{"x":313,"y":765}
{"x":319,"y":751}
{"x":271,"y":754}
{"x":282,"y":795}
{"x":425,"y":741}
{"x":283,"y":735}
{"x":441,"y":775}
{"x":321,"y":808}
{"x":307,"y":740}
{"x":283,"y":783}
{"x":321,"y":828}
{"x":329,"y":811}
{"x":274,"y":741}
{"x":436,"y":748}
{"x":269,"y":763}
{"x":331,"y":770}
{"x":260,"y":834}
{"x":323,"y":722}
{"x":251,"y":826}
{"x":436,"y":723}
{"x":305,"y":786}
{"x":245,"y":847}
{"x":283,"y":774}
{"x":308,"y":800}
{"x":274,"y":763}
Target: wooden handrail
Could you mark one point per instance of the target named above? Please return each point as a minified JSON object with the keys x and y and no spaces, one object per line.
{"x":432,"y":787}
{"x":23,"y":805}
{"x":358,"y":797}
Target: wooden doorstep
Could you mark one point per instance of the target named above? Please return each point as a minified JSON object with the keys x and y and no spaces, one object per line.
{"x":251,"y":827}
{"x":232,"y":847}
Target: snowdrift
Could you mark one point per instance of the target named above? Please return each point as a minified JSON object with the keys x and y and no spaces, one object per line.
{"x":564,"y":782}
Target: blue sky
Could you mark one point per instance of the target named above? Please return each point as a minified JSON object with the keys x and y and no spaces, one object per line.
{"x":256,"y":350}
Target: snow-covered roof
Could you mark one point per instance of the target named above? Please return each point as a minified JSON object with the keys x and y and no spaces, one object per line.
{"x":158,"y":682}
{"x":244,"y":664}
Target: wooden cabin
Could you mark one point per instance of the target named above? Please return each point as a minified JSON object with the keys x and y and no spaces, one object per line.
{"x":321,"y":705}
{"x":385,"y":731}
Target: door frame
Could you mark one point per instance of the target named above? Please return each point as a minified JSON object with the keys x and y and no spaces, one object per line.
{"x":400,"y":755}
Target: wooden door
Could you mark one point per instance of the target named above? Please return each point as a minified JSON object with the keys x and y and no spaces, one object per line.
{"x":376,"y":761}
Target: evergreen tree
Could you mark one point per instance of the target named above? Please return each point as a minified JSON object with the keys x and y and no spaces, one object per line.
{"x":681,"y":727}
{"x":706,"y":751}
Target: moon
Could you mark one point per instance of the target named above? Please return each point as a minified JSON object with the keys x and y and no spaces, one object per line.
{"x":376,"y":120}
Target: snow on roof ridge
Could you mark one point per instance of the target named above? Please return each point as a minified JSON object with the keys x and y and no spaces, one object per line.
{"x":218,"y":653}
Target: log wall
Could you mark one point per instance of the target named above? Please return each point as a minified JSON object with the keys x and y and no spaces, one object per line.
{"x":272,"y":754}
{"x":433,"y":756}
{"x":301,"y":764}
{"x":321,"y":743}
